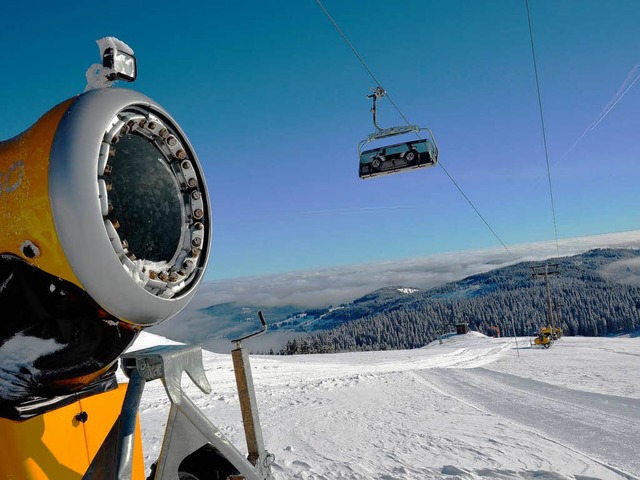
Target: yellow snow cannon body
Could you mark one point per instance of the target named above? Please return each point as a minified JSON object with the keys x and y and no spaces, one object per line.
{"x":105,"y":231}
{"x":72,"y":441}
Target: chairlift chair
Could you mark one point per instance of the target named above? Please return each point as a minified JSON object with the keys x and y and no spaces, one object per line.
{"x":397,"y":157}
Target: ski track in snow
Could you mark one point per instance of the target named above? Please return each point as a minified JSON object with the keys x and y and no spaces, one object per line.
{"x":464,"y":410}
{"x":600,"y":426}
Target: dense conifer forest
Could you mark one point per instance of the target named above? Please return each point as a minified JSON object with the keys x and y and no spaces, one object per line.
{"x":595,"y":293}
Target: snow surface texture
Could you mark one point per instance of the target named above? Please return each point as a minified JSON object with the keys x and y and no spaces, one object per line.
{"x":465,"y":409}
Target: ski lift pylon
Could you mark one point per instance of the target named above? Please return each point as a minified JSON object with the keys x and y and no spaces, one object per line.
{"x":396,"y":157}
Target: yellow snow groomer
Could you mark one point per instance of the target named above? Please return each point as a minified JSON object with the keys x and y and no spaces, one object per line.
{"x":544,"y":338}
{"x":557,"y":333}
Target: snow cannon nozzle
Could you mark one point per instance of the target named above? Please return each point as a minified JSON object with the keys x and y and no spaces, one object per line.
{"x":106,"y":227}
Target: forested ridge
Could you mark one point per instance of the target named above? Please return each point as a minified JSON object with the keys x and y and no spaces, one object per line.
{"x":587,"y":301}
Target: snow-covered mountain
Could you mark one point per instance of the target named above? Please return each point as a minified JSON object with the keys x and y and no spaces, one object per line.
{"x":596,"y":291}
{"x":470,"y":408}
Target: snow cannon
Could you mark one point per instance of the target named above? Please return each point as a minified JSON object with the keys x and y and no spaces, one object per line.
{"x":106,"y":193}
{"x":105,"y":231}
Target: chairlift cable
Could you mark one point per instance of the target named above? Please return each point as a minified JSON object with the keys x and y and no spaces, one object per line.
{"x":371,"y":74}
{"x":357,"y":54}
{"x":477,"y":211}
{"x":544,"y":133}
{"x":366,"y":67}
{"x":353,"y":49}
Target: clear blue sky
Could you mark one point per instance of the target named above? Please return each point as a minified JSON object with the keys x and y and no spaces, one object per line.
{"x":275,"y":103}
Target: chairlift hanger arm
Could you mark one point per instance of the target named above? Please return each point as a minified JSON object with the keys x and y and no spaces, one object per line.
{"x":377,"y":93}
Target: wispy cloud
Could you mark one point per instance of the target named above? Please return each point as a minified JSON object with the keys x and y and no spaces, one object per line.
{"x":340,"y":284}
{"x":358,"y":211}
{"x":629,"y":82}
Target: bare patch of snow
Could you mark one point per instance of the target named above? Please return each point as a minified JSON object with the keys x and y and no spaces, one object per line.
{"x":408,"y":290}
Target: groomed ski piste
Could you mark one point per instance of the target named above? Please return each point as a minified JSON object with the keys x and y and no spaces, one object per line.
{"x":468,"y":408}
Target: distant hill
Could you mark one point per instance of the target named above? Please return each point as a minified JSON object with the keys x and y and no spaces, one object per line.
{"x":597,"y":293}
{"x":215,"y":326}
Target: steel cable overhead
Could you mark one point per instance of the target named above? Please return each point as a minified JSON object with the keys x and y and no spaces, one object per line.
{"x":371,"y":74}
{"x":544,"y":133}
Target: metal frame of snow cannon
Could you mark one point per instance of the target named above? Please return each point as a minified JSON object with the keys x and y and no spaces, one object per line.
{"x":188,"y":430}
{"x":410,"y":159}
{"x":248,"y":404}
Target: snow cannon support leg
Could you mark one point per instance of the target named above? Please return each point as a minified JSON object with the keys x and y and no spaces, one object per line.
{"x":258,"y":456}
{"x":192,"y":444}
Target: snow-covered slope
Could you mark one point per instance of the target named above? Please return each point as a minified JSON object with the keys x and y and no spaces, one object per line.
{"x":469,"y":408}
